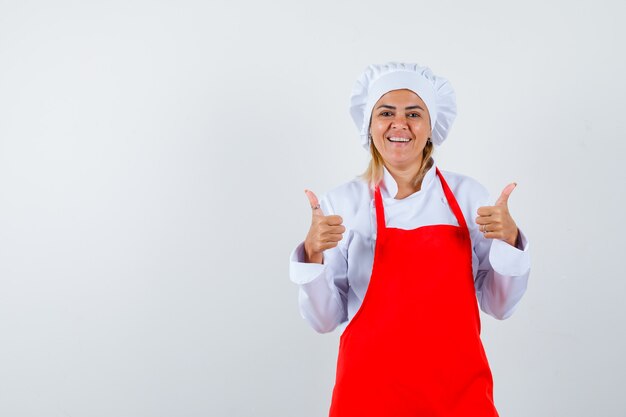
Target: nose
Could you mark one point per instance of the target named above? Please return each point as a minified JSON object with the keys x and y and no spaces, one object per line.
{"x":399,"y":121}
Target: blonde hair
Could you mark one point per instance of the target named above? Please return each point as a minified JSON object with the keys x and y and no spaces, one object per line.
{"x":374,"y":172}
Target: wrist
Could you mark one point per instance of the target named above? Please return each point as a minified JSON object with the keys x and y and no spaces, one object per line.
{"x":312,"y":257}
{"x":317,"y":258}
{"x":518,"y":240}
{"x":515,"y":241}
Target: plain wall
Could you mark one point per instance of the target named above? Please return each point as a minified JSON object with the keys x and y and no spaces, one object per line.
{"x":153,"y":157}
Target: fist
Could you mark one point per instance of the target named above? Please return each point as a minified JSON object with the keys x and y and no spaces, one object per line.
{"x":496,"y":222}
{"x":325,"y":231}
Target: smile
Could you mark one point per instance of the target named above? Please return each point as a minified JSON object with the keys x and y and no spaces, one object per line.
{"x":396,"y":139}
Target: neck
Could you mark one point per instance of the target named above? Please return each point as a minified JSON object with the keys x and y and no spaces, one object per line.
{"x":404,"y":178}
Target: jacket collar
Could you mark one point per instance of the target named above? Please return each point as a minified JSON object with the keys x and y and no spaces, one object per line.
{"x":389,"y":186}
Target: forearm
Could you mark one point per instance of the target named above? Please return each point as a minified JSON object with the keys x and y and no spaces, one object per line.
{"x":503,"y":278}
{"x":320,"y":305}
{"x":500,"y":294}
{"x":320,"y":301}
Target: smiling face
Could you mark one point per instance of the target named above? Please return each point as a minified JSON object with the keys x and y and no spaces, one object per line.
{"x":400,"y":127}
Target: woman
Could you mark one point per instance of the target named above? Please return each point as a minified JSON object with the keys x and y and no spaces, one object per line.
{"x":401,"y":253}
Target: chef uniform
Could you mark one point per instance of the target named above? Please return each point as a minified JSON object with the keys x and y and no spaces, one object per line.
{"x":412,"y":343}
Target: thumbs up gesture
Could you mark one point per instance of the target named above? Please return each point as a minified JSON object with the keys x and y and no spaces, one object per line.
{"x":325,"y":231}
{"x":496,"y":222}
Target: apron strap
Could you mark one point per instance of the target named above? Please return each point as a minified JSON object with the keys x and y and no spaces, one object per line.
{"x":380,"y":214}
{"x":454,"y":205}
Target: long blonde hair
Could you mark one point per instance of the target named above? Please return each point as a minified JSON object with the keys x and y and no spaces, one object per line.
{"x":374,"y":172}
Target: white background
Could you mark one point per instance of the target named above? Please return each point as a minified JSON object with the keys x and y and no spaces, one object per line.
{"x":153,"y":157}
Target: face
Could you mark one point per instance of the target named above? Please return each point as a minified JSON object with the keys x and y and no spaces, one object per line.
{"x":400,"y":127}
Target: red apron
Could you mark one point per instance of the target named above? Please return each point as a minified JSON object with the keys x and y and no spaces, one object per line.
{"x":413,"y":348}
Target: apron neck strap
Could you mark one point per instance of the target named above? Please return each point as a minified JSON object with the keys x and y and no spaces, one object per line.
{"x":380,"y":212}
{"x":454,"y":205}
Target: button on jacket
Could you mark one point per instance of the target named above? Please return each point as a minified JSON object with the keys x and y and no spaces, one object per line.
{"x":331,"y":293}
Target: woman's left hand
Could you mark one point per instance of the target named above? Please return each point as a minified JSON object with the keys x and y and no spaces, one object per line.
{"x":496,"y":222}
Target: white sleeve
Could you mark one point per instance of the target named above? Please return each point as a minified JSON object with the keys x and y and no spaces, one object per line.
{"x":503,"y":270}
{"x":323,"y":288}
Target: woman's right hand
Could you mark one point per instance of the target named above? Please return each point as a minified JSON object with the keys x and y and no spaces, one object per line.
{"x":325,"y":232}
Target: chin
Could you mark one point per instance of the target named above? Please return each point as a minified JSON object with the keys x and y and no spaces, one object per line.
{"x":401,"y":162}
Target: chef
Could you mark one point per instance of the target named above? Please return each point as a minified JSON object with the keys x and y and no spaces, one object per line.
{"x":403,"y":255}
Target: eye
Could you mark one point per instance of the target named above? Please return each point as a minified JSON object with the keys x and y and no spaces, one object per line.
{"x":414,"y":115}
{"x":386,"y":113}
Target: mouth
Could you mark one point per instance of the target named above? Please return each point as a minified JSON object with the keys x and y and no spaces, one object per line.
{"x":395,"y":139}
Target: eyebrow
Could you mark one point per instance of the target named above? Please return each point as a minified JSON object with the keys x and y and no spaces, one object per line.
{"x":393,"y":108}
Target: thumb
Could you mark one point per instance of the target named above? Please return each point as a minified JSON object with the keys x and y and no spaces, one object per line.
{"x":315,"y":204}
{"x":504,"y":197}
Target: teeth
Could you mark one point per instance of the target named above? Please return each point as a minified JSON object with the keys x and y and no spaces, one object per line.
{"x":394,"y":139}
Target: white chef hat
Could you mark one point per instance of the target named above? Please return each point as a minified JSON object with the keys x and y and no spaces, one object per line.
{"x":377,"y":80}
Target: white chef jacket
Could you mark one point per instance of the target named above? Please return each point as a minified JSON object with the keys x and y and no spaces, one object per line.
{"x":331,"y":293}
